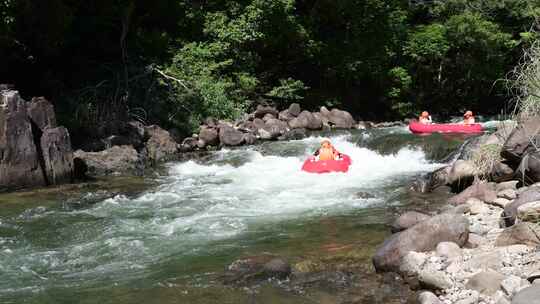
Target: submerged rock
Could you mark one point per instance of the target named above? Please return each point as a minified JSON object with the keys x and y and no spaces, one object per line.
{"x":255,"y":269}
{"x":423,"y":236}
{"x":407,"y":220}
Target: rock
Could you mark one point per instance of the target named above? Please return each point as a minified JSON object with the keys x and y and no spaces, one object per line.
{"x":306,"y":120}
{"x":459,"y":209}
{"x":427,"y":297}
{"x":423,"y":236}
{"x":57,"y":155}
{"x":412,"y":262}
{"x":475,"y":241}
{"x":294,"y":109}
{"x":529,"y":212}
{"x":510,"y":210}
{"x":522,"y":139}
{"x":511,"y":284}
{"x":249,"y":126}
{"x":116,"y":160}
{"x":229,"y":136}
{"x":439,"y":177}
{"x":201,"y":144}
{"x":189,"y":144}
{"x":268,"y":116}
{"x":434,"y":279}
{"x":448,"y":250}
{"x":249,"y":139}
{"x":512,"y":185}
{"x":461,"y":173}
{"x":265,"y":135}
{"x":262,"y":110}
{"x":338,"y":118}
{"x":508,"y":194}
{"x":209,"y":135}
{"x":407,"y":220}
{"x":19,"y":161}
{"x":521,"y":233}
{"x":211,"y":122}
{"x":477,"y":206}
{"x":482,"y":191}
{"x":160,"y":145}
{"x":485,"y":282}
{"x":493,"y":260}
{"x":275,"y":128}
{"x":470,"y":297}
{"x":363,"y":195}
{"x":500,"y":202}
{"x":286,"y":116}
{"x":41,"y":113}
{"x":529,"y":295}
{"x":501,"y":172}
{"x":294,"y":134}
{"x":255,"y":269}
{"x":116,"y":140}
{"x":529,"y":168}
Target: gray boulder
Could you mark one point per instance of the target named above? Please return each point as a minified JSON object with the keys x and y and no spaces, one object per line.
{"x":229,"y":136}
{"x":255,"y":269}
{"x":209,"y":135}
{"x":249,"y":139}
{"x":520,"y":233}
{"x":306,"y":120}
{"x":118,"y":160}
{"x":427,"y":297}
{"x":57,"y":155}
{"x":294,"y":109}
{"x":448,"y":250}
{"x":407,"y":220}
{"x":294,"y":134}
{"x":482,"y":191}
{"x":286,"y":116}
{"x":422,"y":237}
{"x":524,"y":137}
{"x":338,"y":118}
{"x":529,"y":168}
{"x":19,"y":162}
{"x":41,"y":113}
{"x":485,"y":282}
{"x":160,"y":144}
{"x":262,"y":110}
{"x":529,"y":295}
{"x":510,"y":210}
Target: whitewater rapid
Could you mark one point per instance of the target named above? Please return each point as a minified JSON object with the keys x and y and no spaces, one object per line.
{"x":196,"y":204}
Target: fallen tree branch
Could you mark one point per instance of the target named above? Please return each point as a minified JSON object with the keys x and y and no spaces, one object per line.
{"x":160,"y":72}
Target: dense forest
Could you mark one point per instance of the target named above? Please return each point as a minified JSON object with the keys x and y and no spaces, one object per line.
{"x":174,"y":62}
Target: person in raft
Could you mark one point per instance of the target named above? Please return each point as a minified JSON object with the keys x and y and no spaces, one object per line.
{"x":327,"y":151}
{"x":468,"y":118}
{"x":424,"y":118}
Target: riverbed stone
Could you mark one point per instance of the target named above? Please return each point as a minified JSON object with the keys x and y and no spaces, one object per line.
{"x":117,"y":160}
{"x":228,"y":136}
{"x":306,"y":120}
{"x":529,"y":212}
{"x":485,"y":282}
{"x":407,"y":220}
{"x":521,"y":233}
{"x":524,"y":137}
{"x":160,"y":145}
{"x":412,"y":262}
{"x":262,"y":110}
{"x":434,"y":279}
{"x":427,"y":297}
{"x":57,"y":155}
{"x":294,"y":109}
{"x":339,"y":119}
{"x":254,"y":269}
{"x":508,"y":194}
{"x":507,"y":185}
{"x":500,"y":202}
{"x":448,"y":250}
{"x":482,"y":191}
{"x":209,"y":135}
{"x":510,"y":211}
{"x":477,"y":206}
{"x":422,"y":237}
{"x":529,"y":295}
{"x":475,"y":240}
{"x":510,"y":285}
{"x":41,"y":113}
{"x":285,"y":116}
{"x":294,"y":134}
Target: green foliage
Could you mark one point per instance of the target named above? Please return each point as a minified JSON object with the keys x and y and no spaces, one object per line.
{"x":427,"y":43}
{"x":289,"y":89}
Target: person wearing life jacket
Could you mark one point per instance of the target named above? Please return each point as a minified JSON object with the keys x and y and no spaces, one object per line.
{"x":424,"y":118}
{"x":327,"y":151}
{"x":468,"y":118}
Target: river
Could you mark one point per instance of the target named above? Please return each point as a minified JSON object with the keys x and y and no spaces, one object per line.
{"x":168,"y":237}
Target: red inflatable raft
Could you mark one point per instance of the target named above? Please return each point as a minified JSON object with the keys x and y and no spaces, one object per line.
{"x":326,"y":166}
{"x":417,"y":128}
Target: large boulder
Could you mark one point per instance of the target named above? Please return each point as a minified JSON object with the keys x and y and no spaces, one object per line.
{"x":521,"y":233}
{"x":524,"y":138}
{"x":209,"y":135}
{"x":294,"y":109}
{"x":57,"y":155}
{"x":273,"y":128}
{"x":529,"y":212}
{"x":306,"y":120}
{"x":485,"y":192}
{"x":422,"y":237}
{"x":118,"y":160}
{"x":529,"y":168}
{"x":228,"y":136}
{"x":286,"y":116}
{"x":19,"y":160}
{"x":407,"y":220}
{"x":510,"y":210}
{"x":529,"y":295}
{"x":340,"y":119}
{"x":41,"y":113}
{"x":160,"y":145}
{"x":485,"y":282}
{"x":262,"y":110}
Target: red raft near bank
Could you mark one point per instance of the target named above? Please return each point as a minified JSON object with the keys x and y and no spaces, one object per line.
{"x":419,"y":128}
{"x":326,"y":166}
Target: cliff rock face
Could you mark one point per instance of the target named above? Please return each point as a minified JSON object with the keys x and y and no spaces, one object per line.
{"x":33,"y":151}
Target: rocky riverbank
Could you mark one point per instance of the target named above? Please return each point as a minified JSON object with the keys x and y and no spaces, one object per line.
{"x":482,"y":248}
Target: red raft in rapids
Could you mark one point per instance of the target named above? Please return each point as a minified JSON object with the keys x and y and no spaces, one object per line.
{"x":325,"y":166}
{"x":418,"y":128}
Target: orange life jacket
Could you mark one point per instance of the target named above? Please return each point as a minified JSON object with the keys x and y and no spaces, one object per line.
{"x":326,"y":153}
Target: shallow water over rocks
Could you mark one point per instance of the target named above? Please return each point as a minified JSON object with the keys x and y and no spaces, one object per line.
{"x":167,"y":238}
